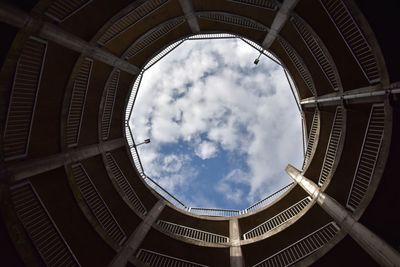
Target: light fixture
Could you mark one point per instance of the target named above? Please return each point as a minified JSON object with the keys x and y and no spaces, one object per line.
{"x":144,"y":142}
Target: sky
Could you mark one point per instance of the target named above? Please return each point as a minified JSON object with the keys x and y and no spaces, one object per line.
{"x":222,"y":129}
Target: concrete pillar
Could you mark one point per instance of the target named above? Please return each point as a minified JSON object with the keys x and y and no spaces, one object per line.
{"x":376,"y":247}
{"x":30,"y":168}
{"x":137,"y":237}
{"x":279,"y":21}
{"x":361,"y":95}
{"x":187,"y":8}
{"x":34,"y":26}
{"x":235,"y":251}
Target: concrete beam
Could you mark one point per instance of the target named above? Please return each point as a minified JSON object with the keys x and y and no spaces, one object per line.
{"x":187,"y":8}
{"x":137,"y":237}
{"x":235,"y":250}
{"x":30,"y":168}
{"x":279,"y":21}
{"x":361,"y":95}
{"x":376,"y":247}
{"x":35,"y":26}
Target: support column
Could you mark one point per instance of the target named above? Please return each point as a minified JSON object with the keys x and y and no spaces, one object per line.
{"x":376,"y":247}
{"x":22,"y":20}
{"x":30,"y":168}
{"x":361,"y":95}
{"x":235,"y":250}
{"x":279,"y":21}
{"x":187,"y":8}
{"x":137,"y":237}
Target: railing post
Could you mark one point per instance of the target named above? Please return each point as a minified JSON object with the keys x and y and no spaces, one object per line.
{"x":134,"y":241}
{"x":235,"y":251}
{"x":376,"y":247}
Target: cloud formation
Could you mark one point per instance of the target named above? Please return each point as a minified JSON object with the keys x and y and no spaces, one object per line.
{"x":207,"y":108}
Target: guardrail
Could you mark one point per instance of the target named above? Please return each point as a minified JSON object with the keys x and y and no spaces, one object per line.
{"x":25,"y":88}
{"x":97,"y":205}
{"x":123,"y":184}
{"x":333,"y":144}
{"x":77,"y":103}
{"x":313,"y":44}
{"x":108,"y":108}
{"x":278,"y":219}
{"x":271,"y":5}
{"x":126,"y":22}
{"x":154,"y":259}
{"x":302,"y":247}
{"x":192,"y":233}
{"x":299,"y":65}
{"x":40,"y":227}
{"x":312,"y":138}
{"x":60,"y":10}
{"x":353,"y":37}
{"x":368,"y":156}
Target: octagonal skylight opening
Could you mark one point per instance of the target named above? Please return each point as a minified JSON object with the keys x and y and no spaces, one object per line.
{"x":210,"y":104}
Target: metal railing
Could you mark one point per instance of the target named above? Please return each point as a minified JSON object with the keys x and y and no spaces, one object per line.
{"x":60,"y":10}
{"x":154,"y":259}
{"x":108,"y":108}
{"x":128,"y":21}
{"x":278,"y":219}
{"x":232,"y":20}
{"x":77,"y":103}
{"x":312,"y":138}
{"x":310,"y":39}
{"x":40,"y":227}
{"x":164,"y":193}
{"x":333,"y":144}
{"x":267,"y":4}
{"x":302,"y":248}
{"x":269,"y":199}
{"x":25,"y":88}
{"x":353,"y":37}
{"x":299,"y":65}
{"x":368,"y":156}
{"x":153,"y":35}
{"x":97,"y":205}
{"x":214,"y":212}
{"x":192,"y":233}
{"x":123,"y":184}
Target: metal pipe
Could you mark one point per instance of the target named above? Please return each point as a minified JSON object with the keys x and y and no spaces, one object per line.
{"x":376,"y":247}
{"x":34,"y":26}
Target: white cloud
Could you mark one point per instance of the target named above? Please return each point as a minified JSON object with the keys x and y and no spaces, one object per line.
{"x":215,"y":100}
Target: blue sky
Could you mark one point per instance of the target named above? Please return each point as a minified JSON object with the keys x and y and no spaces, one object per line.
{"x":222,"y":129}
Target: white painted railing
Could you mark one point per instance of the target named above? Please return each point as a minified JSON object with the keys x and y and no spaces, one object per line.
{"x":128,"y":21}
{"x":123,"y":184}
{"x":153,"y":35}
{"x":21,"y":109}
{"x":266,"y":4}
{"x":278,"y":219}
{"x":154,"y":259}
{"x":97,"y":205}
{"x":232,"y":20}
{"x":214,"y":212}
{"x":77,"y":103}
{"x":333,"y":144}
{"x":192,"y":233}
{"x":368,"y":156}
{"x":302,"y":248}
{"x":353,"y":37}
{"x":108,"y":108}
{"x":60,"y":10}
{"x":299,"y":65}
{"x":312,"y":138}
{"x":310,"y":39}
{"x":40,"y":227}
